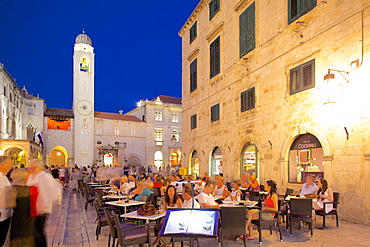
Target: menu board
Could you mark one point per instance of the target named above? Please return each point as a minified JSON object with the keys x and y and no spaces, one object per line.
{"x":190,"y":221}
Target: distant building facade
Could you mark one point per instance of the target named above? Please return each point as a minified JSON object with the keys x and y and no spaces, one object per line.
{"x":82,"y":136}
{"x":279,"y":89}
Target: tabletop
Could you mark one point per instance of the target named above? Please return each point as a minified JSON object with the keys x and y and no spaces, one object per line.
{"x":125,"y":204}
{"x":248,"y":204}
{"x":134,"y":215}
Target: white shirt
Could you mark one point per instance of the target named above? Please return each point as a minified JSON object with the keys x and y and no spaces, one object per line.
{"x":5,"y":213}
{"x":125,"y":188}
{"x":200,"y":187}
{"x":219,"y":191}
{"x":188,"y":204}
{"x":48,"y":190}
{"x":207,"y":199}
{"x":62,"y":173}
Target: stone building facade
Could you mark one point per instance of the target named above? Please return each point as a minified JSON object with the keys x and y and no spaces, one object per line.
{"x":279,"y":89}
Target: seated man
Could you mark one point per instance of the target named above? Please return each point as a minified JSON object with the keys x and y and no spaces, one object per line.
{"x":309,"y":187}
{"x":244,"y":181}
{"x":206,"y":199}
{"x":188,"y":199}
{"x":199,"y":187}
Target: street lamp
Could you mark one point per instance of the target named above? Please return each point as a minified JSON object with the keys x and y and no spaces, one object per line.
{"x":173,"y":140}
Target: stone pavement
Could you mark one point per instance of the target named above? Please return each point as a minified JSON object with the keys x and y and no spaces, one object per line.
{"x":71,"y":225}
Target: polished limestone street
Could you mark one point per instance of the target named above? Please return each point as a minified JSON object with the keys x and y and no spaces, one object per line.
{"x":71,"y":225}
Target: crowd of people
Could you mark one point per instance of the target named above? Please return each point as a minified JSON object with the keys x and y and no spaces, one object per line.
{"x":27,"y":195}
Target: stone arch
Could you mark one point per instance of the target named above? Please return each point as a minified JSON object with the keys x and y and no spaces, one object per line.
{"x":58,"y":156}
{"x":133,"y":160}
{"x":19,"y":155}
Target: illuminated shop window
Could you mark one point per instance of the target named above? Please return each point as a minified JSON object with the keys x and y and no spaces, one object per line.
{"x":249,"y":160}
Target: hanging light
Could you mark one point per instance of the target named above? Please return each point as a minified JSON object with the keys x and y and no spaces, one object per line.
{"x":333,"y":86}
{"x":173,"y":140}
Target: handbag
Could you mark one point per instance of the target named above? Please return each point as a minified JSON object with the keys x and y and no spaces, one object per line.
{"x":146,"y":210}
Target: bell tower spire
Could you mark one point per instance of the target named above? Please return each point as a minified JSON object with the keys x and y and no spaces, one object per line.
{"x":83,"y":100}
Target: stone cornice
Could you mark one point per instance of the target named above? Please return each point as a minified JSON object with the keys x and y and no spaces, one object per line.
{"x":192,"y":17}
{"x":193,"y":54}
{"x":241,"y":4}
{"x":215,"y":31}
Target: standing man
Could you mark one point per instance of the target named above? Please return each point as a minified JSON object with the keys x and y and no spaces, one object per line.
{"x":5,"y":188}
{"x":220,"y":169}
{"x":126,"y":170}
{"x":48,"y":190}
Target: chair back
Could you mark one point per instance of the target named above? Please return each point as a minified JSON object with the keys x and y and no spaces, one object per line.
{"x":254,"y":195}
{"x":301,"y":207}
{"x":336,"y":199}
{"x":288,"y":192}
{"x":110,"y":223}
{"x":99,"y":193}
{"x":119,"y":232}
{"x":262,"y":187}
{"x":233,"y":220}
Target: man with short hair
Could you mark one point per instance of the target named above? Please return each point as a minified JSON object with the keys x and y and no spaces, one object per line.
{"x":48,"y":193}
{"x":199,"y":187}
{"x":5,"y":188}
{"x":188,"y":199}
{"x":309,"y":187}
{"x":206,"y":199}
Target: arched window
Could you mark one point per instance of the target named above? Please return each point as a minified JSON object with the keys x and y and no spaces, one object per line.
{"x":249,"y":160}
{"x":158,"y":116}
{"x":194,"y":163}
{"x":215,"y":161}
{"x":305,"y":157}
{"x":158,"y":159}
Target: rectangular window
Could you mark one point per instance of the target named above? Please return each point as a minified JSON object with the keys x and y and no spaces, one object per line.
{"x":193,"y":75}
{"x":297,"y":8}
{"x":193,"y":121}
{"x":158,"y":135}
{"x":214,"y":7}
{"x":215,"y":57}
{"x":247,"y":99}
{"x":247,"y":33}
{"x":158,"y":116}
{"x":193,"y":32}
{"x":175,"y":118}
{"x":215,"y":113}
{"x":30,"y":111}
{"x":302,"y":77}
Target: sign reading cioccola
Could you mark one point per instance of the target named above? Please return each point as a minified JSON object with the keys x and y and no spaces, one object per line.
{"x":305,"y":142}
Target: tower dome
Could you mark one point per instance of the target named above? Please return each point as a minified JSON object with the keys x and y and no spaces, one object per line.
{"x":83,"y":39}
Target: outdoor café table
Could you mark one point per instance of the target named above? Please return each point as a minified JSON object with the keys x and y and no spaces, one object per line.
{"x":134,"y":215}
{"x":248,"y":204}
{"x":103,"y":188}
{"x":125,"y":204}
{"x":123,"y":197}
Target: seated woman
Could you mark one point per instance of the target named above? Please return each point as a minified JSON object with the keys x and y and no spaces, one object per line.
{"x":125,"y":186}
{"x":270,"y":204}
{"x":236,"y":192}
{"x":171,"y":200}
{"x":323,"y":194}
{"x":147,"y":191}
{"x":221,"y":190}
{"x":139,"y":188}
{"x":163,"y":188}
{"x":253,"y":183}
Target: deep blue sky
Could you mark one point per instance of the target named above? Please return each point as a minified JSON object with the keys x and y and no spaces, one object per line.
{"x":137,"y":48}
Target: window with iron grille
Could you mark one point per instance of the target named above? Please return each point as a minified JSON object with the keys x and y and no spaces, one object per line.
{"x":193,"y":32}
{"x":214,"y":7}
{"x":302,"y":77}
{"x":247,"y":99}
{"x":297,"y":8}
{"x":247,"y":34}
{"x":215,"y":113}
{"x":193,"y":75}
{"x":193,"y":121}
{"x":215,"y":57}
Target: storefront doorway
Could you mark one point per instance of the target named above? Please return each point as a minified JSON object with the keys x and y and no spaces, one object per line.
{"x":194,"y":164}
{"x":305,"y":157}
{"x":158,"y":160}
{"x":216,"y":157}
{"x":249,"y":160}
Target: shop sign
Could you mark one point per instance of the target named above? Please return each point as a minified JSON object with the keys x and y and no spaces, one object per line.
{"x":306,"y":141}
{"x":217,"y":157}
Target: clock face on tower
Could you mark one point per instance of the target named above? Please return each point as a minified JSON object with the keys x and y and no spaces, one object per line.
{"x":84,"y":107}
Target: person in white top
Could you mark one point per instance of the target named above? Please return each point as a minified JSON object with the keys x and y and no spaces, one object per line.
{"x":49,"y":191}
{"x":125,"y":186}
{"x":220,"y":169}
{"x":323,"y":194}
{"x":5,"y":187}
{"x":188,"y":199}
{"x":221,"y":190}
{"x":236,"y":193}
{"x":199,"y":187}
{"x":62,"y":176}
{"x":206,"y":200}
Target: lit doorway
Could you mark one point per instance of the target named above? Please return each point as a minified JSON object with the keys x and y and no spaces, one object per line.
{"x":216,"y":157}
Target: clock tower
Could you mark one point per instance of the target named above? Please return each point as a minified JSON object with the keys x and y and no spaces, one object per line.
{"x":83,"y":100}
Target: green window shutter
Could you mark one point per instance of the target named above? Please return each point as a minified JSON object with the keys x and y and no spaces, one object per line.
{"x":294,"y":10}
{"x":214,"y":57}
{"x":302,"y":77}
{"x":214,"y":7}
{"x":247,"y":26}
{"x":193,"y":32}
{"x":307,"y":5}
{"x":193,"y":75}
{"x":247,"y":99}
{"x":215,"y":113}
{"x":193,"y":121}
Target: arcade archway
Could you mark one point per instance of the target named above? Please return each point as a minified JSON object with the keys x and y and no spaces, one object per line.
{"x":58,"y":156}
